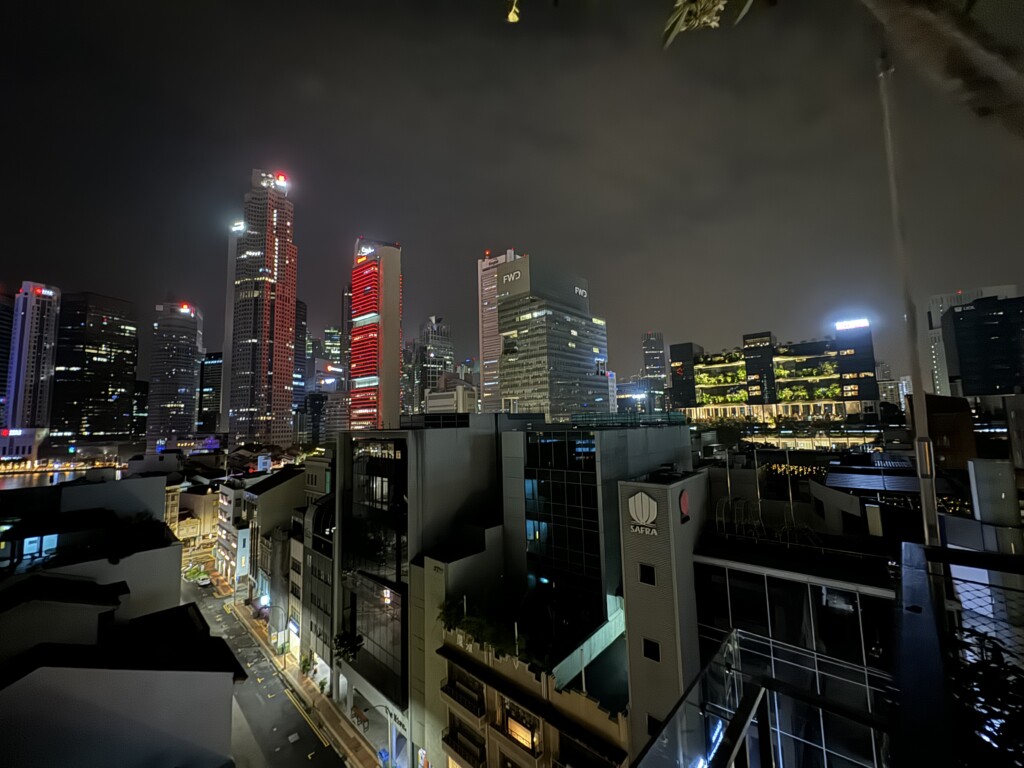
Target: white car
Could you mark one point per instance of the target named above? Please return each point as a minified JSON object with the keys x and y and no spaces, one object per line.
{"x":204,"y":581}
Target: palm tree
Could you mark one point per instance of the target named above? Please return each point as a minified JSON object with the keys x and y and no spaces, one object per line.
{"x":942,"y":38}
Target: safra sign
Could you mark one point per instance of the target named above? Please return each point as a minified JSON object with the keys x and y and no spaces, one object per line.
{"x":643,"y":513}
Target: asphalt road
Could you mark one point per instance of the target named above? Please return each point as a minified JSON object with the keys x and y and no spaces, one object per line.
{"x":273,"y":731}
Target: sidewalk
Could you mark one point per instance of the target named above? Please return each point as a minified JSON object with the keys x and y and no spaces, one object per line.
{"x":346,"y":740}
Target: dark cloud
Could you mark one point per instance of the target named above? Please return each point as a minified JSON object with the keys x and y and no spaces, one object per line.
{"x":733,"y":183}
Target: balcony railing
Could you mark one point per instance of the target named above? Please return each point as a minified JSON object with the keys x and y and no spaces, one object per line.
{"x":961,"y":635}
{"x":466,"y":748}
{"x":508,"y":739}
{"x":745,"y":705}
{"x":470,"y":703}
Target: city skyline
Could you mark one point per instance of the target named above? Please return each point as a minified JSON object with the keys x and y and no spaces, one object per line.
{"x":632,"y":223}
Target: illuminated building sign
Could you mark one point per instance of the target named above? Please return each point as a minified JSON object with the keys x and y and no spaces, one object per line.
{"x":848,"y":325}
{"x":238,"y":226}
{"x":511,"y":277}
{"x":643,"y":512}
{"x":365,"y":250}
{"x":582,"y":292}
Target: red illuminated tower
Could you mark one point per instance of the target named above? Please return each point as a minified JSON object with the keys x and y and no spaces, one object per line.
{"x":262,"y":328}
{"x":376,"y":347}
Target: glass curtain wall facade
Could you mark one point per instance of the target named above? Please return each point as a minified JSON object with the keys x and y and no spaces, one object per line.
{"x":175,"y":361}
{"x":835,"y":643}
{"x":95,"y":370}
{"x":210,"y":382}
{"x":563,"y":528}
{"x":434,"y":356}
{"x":554,"y":355}
{"x":375,"y":561}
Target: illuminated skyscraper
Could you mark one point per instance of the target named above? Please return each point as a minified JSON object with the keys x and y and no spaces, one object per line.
{"x":346,"y":333}
{"x":229,"y":325}
{"x":653,"y":344}
{"x":376,"y":356}
{"x":33,"y":347}
{"x":211,"y":381}
{"x":262,"y":355}
{"x":97,"y":350}
{"x":490,"y":339}
{"x":554,"y":352}
{"x":6,"y":326}
{"x":299,"y":371}
{"x":332,"y":345}
{"x":434,"y":356}
{"x":174,"y":368}
{"x":938,"y":306}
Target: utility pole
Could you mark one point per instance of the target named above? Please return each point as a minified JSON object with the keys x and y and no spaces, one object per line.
{"x":923,"y":446}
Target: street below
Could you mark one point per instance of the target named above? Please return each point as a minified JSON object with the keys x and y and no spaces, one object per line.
{"x":274,"y":729}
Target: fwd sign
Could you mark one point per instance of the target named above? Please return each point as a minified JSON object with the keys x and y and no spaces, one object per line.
{"x":511,"y":277}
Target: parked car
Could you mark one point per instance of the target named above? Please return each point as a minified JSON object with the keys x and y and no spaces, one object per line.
{"x":204,"y":581}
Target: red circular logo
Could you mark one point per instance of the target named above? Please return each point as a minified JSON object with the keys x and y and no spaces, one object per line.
{"x":684,"y":506}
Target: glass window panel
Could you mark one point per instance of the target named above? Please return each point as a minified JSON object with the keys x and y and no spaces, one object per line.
{"x":790,"y":612}
{"x":837,"y":623}
{"x":799,"y":753}
{"x":877,"y":620}
{"x":747,"y":598}
{"x":712,"y":595}
{"x":798,"y":718}
{"x":848,"y":739}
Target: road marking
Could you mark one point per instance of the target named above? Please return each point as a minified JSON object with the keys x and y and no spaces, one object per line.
{"x":259,"y":679}
{"x":271,"y":695}
{"x":310,"y":755}
{"x":319,"y":734}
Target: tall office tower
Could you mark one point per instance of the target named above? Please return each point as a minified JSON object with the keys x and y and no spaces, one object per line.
{"x":653,"y":344}
{"x":435,"y":355}
{"x":554,"y":352}
{"x":985,"y":347}
{"x":175,"y":360}
{"x":140,"y":410}
{"x":652,"y":377}
{"x":938,"y":305}
{"x":229,"y":325}
{"x":332,"y":345}
{"x":299,"y":371}
{"x":94,"y":370}
{"x":407,"y":389}
{"x":758,"y":357}
{"x":33,"y":347}
{"x":490,"y":339}
{"x":376,"y":367}
{"x":6,"y":327}
{"x":211,"y":381}
{"x":263,"y":331}
{"x":856,"y":363}
{"x":346,"y":333}
{"x":682,"y":358}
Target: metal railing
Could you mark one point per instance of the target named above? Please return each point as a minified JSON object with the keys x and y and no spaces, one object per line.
{"x":745,"y":708}
{"x":962,"y":657}
{"x":467,"y":702}
{"x":475,"y":756}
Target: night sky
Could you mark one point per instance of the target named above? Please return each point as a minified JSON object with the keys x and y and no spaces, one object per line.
{"x":733,"y":183}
